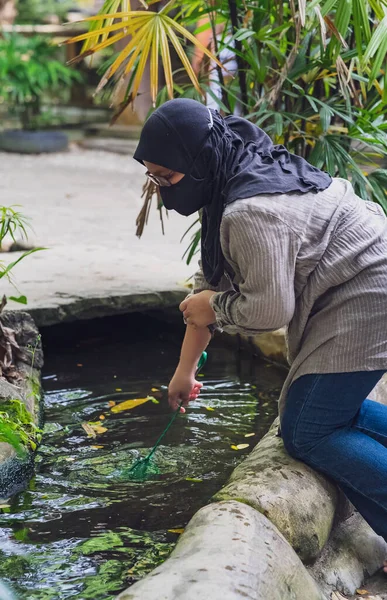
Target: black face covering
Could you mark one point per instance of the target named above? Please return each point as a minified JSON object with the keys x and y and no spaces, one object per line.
{"x":187,"y":196}
{"x":222,"y":160}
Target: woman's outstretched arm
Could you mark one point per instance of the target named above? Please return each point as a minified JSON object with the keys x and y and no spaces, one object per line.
{"x":183,"y":386}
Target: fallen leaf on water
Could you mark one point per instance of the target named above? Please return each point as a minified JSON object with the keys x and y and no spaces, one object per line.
{"x":176,"y":530}
{"x":154,"y":400}
{"x":210,"y":408}
{"x":112,"y":403}
{"x":118,"y":389}
{"x":129,"y":404}
{"x":89,"y":430}
{"x":200,"y":375}
{"x":239,"y":446}
{"x":362,"y":592}
{"x":99,"y":428}
{"x":195,"y":479}
{"x":249,"y":434}
{"x":102,"y":417}
{"x":155,"y":390}
{"x":93,"y":428}
{"x":96,"y":447}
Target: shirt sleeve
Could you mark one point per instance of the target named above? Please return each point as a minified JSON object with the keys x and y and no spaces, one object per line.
{"x":200,"y":283}
{"x":262,"y":250}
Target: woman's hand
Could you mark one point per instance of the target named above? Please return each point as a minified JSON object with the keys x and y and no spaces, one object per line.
{"x":183,"y":388}
{"x":197,"y":310}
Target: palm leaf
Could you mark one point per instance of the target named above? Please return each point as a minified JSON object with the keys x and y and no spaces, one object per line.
{"x":184,"y":59}
{"x":384,"y":96}
{"x":134,"y":44}
{"x":378,"y":7}
{"x":166,"y":59}
{"x":143,"y":57}
{"x":151,"y":34}
{"x":361,"y":25}
{"x":184,"y":32}
{"x":101,"y":46}
{"x":154,"y":63}
{"x":378,"y":45}
{"x":378,"y":183}
{"x":377,"y":39}
{"x":328,"y":7}
{"x":135,"y":21}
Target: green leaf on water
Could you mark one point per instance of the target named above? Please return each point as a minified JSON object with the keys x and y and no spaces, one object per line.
{"x":194,"y":479}
{"x":20,"y":299}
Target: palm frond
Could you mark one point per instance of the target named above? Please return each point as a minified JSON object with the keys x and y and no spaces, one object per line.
{"x":151,"y":34}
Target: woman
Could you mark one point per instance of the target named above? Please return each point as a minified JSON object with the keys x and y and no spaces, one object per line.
{"x":283,"y":244}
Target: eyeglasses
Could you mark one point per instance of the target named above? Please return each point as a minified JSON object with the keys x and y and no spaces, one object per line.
{"x":164,"y":181}
{"x":158,"y":180}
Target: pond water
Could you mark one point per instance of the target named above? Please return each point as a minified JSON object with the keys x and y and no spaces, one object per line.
{"x":82,"y":531}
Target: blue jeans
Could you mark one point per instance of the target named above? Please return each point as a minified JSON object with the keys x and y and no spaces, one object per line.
{"x":329,"y":425}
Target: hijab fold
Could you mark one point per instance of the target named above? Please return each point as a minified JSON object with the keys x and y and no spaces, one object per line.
{"x":223,"y":160}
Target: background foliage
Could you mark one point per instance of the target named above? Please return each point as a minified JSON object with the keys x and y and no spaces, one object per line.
{"x":30,"y":71}
{"x":312,"y":74}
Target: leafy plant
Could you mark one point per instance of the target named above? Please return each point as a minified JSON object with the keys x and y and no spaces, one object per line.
{"x":152,"y":34}
{"x":36,"y":11}
{"x":13,"y":223}
{"x":17,"y":426}
{"x":30,"y":72}
{"x":312,"y":74}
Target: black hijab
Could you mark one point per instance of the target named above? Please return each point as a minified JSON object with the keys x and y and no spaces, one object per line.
{"x":223,"y":160}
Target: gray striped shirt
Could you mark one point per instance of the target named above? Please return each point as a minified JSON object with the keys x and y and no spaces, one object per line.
{"x":316,"y":263}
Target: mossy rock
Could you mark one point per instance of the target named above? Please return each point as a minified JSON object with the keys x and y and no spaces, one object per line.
{"x":15,"y":470}
{"x":300,"y":502}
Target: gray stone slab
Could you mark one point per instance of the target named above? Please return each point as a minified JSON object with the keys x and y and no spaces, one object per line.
{"x":299,"y":501}
{"x":353,"y":552}
{"x":229,"y":551}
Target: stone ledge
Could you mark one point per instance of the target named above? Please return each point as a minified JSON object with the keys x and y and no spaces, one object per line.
{"x":353,"y":552}
{"x":87,"y":308}
{"x":298,"y":501}
{"x":271,"y":345}
{"x":229,"y":551}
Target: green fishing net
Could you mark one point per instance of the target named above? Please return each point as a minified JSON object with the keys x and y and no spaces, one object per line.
{"x":141,"y":470}
{"x":145,"y":468}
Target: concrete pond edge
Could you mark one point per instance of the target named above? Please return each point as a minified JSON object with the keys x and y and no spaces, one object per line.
{"x":276,"y":530}
{"x":16,"y":469}
{"x":72,"y":309}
